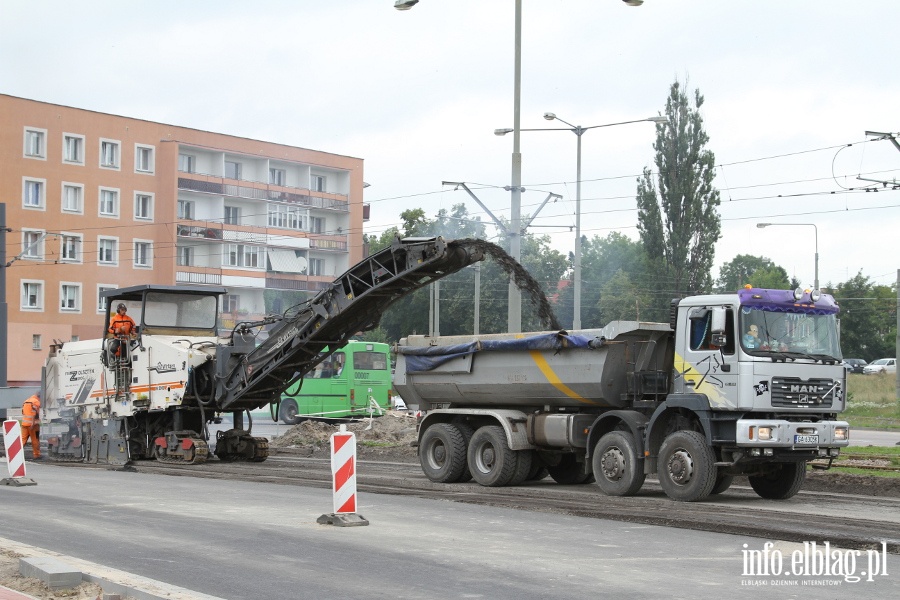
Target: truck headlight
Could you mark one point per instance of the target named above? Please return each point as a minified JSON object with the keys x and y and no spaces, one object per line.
{"x":841,"y":433}
{"x":764,"y":433}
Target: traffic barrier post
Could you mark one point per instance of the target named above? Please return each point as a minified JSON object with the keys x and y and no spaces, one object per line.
{"x":343,"y":476}
{"x":15,"y":455}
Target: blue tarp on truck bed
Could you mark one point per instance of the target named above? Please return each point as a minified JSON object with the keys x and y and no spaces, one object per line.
{"x":426,"y":358}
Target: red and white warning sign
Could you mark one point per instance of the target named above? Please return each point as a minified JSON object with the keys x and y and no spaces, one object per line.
{"x":343,"y":470}
{"x":15,"y":457}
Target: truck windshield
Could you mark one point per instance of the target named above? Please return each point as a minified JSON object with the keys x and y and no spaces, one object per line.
{"x":789,"y":334}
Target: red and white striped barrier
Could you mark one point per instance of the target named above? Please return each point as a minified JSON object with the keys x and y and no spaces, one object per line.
{"x":15,"y":456}
{"x":343,"y":474}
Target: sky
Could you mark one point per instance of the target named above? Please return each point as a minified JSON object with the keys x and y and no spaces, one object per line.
{"x":790,"y":90}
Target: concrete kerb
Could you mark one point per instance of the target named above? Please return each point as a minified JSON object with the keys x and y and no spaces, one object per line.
{"x":112,"y":581}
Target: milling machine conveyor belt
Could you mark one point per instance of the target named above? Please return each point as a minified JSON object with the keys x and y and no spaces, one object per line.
{"x":352,"y":303}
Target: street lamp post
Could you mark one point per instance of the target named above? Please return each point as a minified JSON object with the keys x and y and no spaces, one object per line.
{"x":579,"y":131}
{"x":816,"y":229}
{"x":514,"y":316}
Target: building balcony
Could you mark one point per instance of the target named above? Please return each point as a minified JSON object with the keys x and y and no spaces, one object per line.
{"x":207,"y":231}
{"x":198,"y":275}
{"x":221,"y":186}
{"x":328,"y":243}
{"x":299,"y":283}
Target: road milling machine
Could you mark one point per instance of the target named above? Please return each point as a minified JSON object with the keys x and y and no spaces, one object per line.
{"x":152,"y":395}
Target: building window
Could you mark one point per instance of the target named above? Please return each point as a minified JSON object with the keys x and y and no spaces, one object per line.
{"x":231,"y":303}
{"x":109,"y":154}
{"x":69,"y":297}
{"x":317,"y":224}
{"x":185,"y":209}
{"x":143,"y":158}
{"x":35,"y":341}
{"x":232,"y":169}
{"x":34,"y":143}
{"x":106,"y":251}
{"x":33,"y":244}
{"x":239,"y":255}
{"x":277,"y":176}
{"x":72,"y":196}
{"x":33,"y":193}
{"x":187,"y":163}
{"x":73,"y":148}
{"x":316,"y":266}
{"x":32,"y":295}
{"x":143,"y":205}
{"x":101,"y":300}
{"x":317,"y":183}
{"x":143,"y":254}
{"x":285,"y":217}
{"x":186,"y":256}
{"x":109,"y":202}
{"x":232,"y":215}
{"x":71,"y":248}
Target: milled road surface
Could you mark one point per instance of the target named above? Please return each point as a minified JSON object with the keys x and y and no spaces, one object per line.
{"x":848,"y":520}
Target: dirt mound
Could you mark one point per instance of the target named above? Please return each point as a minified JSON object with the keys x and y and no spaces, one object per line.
{"x":390,"y":437}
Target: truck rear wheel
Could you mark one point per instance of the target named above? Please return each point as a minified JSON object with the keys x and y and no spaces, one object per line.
{"x":780,"y":484}
{"x":442,"y":453}
{"x":524,"y":460}
{"x":615,"y":464}
{"x":467,"y":432}
{"x":491,"y":461}
{"x":687,"y":466}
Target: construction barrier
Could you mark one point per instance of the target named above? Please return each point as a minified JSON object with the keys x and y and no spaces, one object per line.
{"x":15,"y":455}
{"x":343,"y":474}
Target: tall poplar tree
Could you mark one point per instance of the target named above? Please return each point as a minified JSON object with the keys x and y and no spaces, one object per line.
{"x":678,"y":218}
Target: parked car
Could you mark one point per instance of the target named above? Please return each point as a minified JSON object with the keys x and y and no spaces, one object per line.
{"x":882,"y":365}
{"x":854,"y":365}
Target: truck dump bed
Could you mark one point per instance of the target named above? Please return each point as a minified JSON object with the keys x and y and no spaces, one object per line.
{"x":591,"y":367}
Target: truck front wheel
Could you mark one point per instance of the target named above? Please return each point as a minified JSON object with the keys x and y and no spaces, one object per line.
{"x":687,"y":466}
{"x":780,"y":484}
{"x":491,"y":461}
{"x":442,"y":453}
{"x":615,"y":464}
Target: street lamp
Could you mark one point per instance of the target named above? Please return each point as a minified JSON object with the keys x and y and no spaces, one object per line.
{"x":764,"y":225}
{"x":579,"y":131}
{"x":514,"y":316}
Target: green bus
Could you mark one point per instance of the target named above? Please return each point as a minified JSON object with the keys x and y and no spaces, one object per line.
{"x":355,"y":381}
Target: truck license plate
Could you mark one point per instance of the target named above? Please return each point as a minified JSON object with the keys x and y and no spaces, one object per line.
{"x":806,"y":439}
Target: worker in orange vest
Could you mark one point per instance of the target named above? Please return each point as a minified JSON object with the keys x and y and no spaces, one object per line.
{"x":122,"y":326}
{"x":31,"y":424}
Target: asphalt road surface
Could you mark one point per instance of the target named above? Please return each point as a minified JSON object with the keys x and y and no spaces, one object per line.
{"x":251,"y":540}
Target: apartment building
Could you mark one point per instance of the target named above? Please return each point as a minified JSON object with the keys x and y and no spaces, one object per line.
{"x":97,"y":201}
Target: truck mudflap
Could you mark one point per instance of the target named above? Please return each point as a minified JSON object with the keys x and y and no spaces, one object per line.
{"x":776,"y":433}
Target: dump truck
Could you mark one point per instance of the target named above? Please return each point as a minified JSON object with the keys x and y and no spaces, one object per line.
{"x":153,"y":393}
{"x":747,"y":384}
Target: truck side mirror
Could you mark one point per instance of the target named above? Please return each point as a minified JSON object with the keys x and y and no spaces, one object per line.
{"x":719,"y":334}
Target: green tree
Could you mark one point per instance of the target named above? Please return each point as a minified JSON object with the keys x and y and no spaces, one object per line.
{"x":678,"y":218}
{"x":620,"y":299}
{"x":868,"y":318}
{"x":757,"y":271}
{"x":601,"y":259}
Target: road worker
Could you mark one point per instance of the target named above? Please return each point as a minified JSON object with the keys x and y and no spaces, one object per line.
{"x":122,"y":327}
{"x":31,"y":424}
